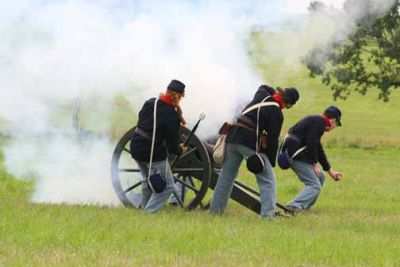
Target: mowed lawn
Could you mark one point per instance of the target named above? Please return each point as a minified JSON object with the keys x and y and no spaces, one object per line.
{"x":356,"y":222}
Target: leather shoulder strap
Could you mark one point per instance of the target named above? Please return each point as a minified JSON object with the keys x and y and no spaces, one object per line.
{"x":260,"y":105}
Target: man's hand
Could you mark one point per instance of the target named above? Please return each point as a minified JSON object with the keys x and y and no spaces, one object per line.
{"x":335,"y":175}
{"x":317,"y":170}
{"x":184,"y":148}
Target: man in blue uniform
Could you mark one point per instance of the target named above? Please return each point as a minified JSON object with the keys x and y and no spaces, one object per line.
{"x":168,"y":120}
{"x":241,"y":144}
{"x":307,"y":133}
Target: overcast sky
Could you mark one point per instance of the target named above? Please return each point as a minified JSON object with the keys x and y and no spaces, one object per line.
{"x":300,"y":6}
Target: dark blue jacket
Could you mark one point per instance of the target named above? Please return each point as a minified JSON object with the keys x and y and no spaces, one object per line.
{"x":309,"y":132}
{"x":271,"y":120}
{"x":167,"y":132}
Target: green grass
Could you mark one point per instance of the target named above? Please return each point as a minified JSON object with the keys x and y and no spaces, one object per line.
{"x":354,"y":223}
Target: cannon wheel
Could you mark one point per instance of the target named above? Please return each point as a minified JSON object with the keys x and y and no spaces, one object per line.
{"x":191,"y":171}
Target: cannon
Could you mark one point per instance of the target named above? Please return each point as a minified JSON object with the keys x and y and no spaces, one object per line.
{"x":194,"y":171}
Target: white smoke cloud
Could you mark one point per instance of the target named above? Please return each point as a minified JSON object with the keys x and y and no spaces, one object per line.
{"x":66,"y":169}
{"x":52,"y":52}
{"x":333,"y":25}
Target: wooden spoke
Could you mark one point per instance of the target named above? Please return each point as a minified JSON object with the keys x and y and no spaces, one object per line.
{"x":187,"y":185}
{"x":188,"y":153}
{"x":128,"y":170}
{"x":132,"y":187}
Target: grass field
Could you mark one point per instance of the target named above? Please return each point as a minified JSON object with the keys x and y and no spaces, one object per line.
{"x":354,"y":223}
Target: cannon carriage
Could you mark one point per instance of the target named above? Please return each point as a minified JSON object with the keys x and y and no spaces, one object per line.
{"x":194,"y":171}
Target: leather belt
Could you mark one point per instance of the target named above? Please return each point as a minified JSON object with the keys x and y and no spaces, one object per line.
{"x":247,"y":121}
{"x":244,"y":126}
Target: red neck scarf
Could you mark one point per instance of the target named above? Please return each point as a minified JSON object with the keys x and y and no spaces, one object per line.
{"x":166,"y":99}
{"x":327,"y":122}
{"x":278,"y":98}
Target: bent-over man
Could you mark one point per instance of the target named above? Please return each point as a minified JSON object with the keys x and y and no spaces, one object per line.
{"x":307,"y":133}
{"x":241,"y":144}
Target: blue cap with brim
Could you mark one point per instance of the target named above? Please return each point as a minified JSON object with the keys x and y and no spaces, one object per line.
{"x":334,"y":113}
{"x":176,"y":86}
{"x":292,"y":94}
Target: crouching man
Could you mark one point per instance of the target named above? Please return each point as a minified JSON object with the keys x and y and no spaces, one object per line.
{"x":148,"y":151}
{"x":305,"y":136}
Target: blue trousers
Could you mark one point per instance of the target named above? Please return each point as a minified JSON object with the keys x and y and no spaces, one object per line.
{"x":235,"y":153}
{"x":312,"y":185}
{"x":152,"y":202}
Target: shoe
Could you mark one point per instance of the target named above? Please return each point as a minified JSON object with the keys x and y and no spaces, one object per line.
{"x":292,"y":210}
{"x":282,"y":214}
{"x":277,"y":215}
{"x":173,"y":204}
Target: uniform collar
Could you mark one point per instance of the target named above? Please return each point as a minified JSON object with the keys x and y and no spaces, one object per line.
{"x":327,"y":122}
{"x":166,"y":99}
{"x":278,"y":98}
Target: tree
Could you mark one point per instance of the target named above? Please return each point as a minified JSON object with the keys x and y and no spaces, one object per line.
{"x":316,"y":6}
{"x":368,"y":58}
